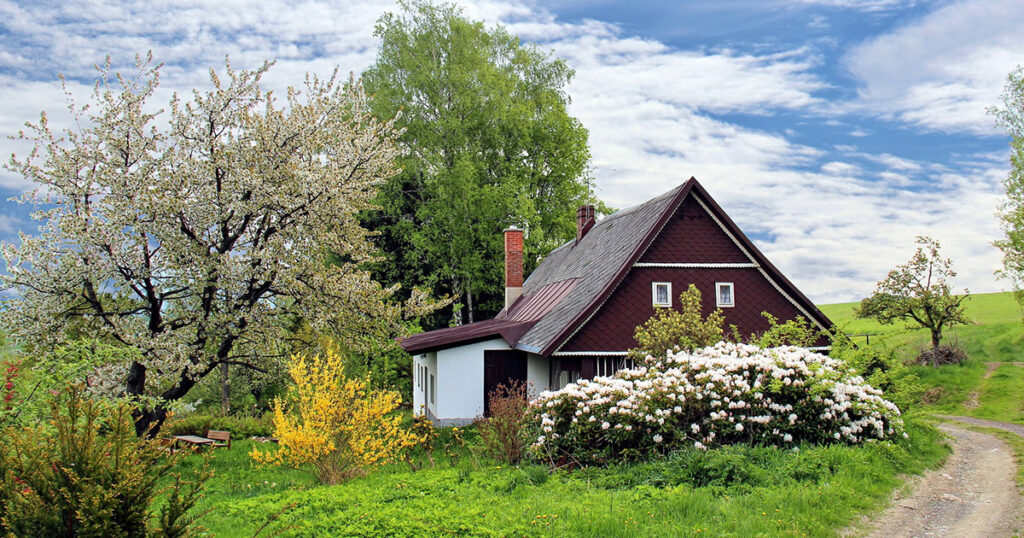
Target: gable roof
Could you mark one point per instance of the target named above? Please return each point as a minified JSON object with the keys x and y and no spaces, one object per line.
{"x":599,"y":261}
{"x":596,"y":265}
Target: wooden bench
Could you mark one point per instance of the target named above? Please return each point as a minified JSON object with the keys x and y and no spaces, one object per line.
{"x":220,"y":438}
{"x":165,"y":444}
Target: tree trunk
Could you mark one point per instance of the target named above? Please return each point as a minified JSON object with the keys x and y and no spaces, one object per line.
{"x":225,"y":390}
{"x":135,"y":385}
{"x":147,"y":421}
{"x":469,"y":304}
{"x":936,"y":337}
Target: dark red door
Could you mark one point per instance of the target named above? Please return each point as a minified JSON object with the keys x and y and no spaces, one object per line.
{"x":500,"y":367}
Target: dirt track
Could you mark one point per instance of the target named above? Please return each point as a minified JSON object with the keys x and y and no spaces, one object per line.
{"x":973,"y":494}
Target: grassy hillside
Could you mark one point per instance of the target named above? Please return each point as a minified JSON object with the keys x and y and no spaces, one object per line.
{"x":996,"y":334}
{"x":973,"y":388}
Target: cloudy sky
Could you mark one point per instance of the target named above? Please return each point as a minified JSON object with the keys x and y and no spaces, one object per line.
{"x":832,"y":131}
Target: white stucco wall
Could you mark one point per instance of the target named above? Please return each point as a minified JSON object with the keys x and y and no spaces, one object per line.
{"x":460,"y":381}
{"x":538,"y":373}
{"x":418,"y":384}
{"x":417,"y":390}
{"x":420,"y":394}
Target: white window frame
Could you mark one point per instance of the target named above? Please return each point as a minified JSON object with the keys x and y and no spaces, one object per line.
{"x":718,"y":294}
{"x":654,"y":294}
{"x":433,"y":389}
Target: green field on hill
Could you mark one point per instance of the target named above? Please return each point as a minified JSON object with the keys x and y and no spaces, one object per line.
{"x":996,"y":335}
{"x":974,"y":388}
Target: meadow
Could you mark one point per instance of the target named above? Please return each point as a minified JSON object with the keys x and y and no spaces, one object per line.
{"x":735,"y":491}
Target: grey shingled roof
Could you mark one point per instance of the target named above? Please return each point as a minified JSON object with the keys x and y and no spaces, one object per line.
{"x":596,"y":260}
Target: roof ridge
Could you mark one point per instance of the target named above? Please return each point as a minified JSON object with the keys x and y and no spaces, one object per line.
{"x":678,"y":194}
{"x":622,"y":212}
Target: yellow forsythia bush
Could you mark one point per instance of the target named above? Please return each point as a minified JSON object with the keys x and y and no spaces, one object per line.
{"x":340,"y":426}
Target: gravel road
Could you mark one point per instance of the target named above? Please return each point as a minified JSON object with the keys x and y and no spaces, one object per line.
{"x":973,"y":494}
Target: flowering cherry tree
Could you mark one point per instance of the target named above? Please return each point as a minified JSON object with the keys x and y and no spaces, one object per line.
{"x":194,"y":234}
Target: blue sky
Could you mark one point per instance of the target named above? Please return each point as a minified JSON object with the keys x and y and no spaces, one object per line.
{"x":832,"y":131}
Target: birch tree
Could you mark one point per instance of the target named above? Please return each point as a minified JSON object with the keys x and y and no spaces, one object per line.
{"x":1011,"y":211}
{"x":192,"y":234}
{"x":490,"y":143}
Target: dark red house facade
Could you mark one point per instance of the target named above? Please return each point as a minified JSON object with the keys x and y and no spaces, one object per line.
{"x":574,"y":317}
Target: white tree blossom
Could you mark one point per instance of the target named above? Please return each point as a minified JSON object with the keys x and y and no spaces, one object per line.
{"x":196,"y":233}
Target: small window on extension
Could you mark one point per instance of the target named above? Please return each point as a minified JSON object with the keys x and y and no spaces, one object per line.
{"x":661,"y":293}
{"x":433,"y":388}
{"x":724,"y":296}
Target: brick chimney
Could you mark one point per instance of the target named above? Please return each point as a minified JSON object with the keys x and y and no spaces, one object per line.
{"x":513,"y":265}
{"x":584,"y":221}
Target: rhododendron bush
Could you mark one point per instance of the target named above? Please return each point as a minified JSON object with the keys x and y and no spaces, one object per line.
{"x":725,"y":394}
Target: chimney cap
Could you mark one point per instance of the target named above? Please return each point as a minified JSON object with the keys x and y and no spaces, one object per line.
{"x":512,"y":228}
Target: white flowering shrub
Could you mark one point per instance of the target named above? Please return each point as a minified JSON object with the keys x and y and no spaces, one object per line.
{"x":725,"y":394}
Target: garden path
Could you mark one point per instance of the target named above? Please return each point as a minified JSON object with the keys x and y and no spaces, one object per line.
{"x":973,"y":494}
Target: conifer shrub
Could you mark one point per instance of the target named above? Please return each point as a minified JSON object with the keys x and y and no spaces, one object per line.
{"x":720,"y":395}
{"x":87,"y":473}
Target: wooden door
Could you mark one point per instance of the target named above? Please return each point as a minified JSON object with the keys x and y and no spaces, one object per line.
{"x":501,"y":366}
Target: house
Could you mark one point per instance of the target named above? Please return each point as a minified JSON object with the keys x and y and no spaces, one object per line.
{"x":575,"y":316}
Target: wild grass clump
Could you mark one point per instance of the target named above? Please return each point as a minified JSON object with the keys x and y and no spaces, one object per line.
{"x":720,"y":395}
{"x":502,"y":432}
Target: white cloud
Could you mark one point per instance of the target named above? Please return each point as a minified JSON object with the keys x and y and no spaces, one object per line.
{"x":836,"y":168}
{"x":942,"y":70}
{"x":864,"y":5}
{"x":10,"y":224}
{"x":831,"y":224}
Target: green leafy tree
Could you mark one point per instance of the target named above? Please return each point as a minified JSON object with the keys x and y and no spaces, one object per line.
{"x":1011,"y":211}
{"x":684,"y":329}
{"x":488,"y":143}
{"x":795,"y":332}
{"x":918,"y":292}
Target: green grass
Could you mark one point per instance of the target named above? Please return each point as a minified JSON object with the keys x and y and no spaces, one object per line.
{"x":740,"y":491}
{"x":1002,"y":395}
{"x":950,"y":385}
{"x":995,"y":335}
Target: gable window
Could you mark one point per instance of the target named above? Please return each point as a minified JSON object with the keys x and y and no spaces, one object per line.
{"x":724,"y":295}
{"x":661,"y":293}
